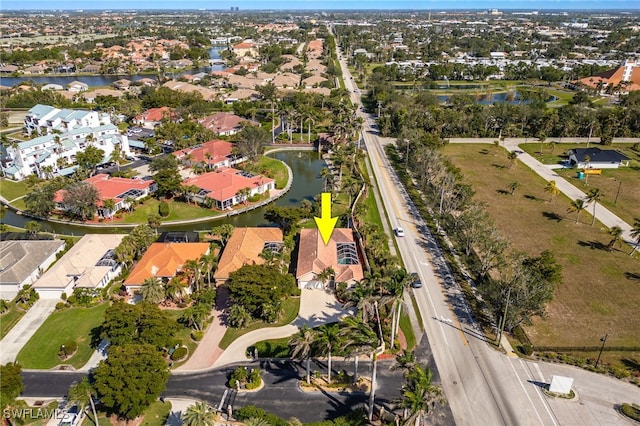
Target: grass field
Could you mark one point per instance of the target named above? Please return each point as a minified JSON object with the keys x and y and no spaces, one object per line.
{"x":183,"y":335}
{"x":9,"y":319}
{"x":177,"y":211}
{"x":275,"y":169}
{"x":290,"y":306}
{"x":155,"y":415}
{"x":41,"y":351}
{"x":624,"y":179}
{"x":11,"y":190}
{"x":599,"y":292}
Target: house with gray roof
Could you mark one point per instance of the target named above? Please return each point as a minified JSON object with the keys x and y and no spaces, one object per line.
{"x":596,"y":158}
{"x":23,"y":262}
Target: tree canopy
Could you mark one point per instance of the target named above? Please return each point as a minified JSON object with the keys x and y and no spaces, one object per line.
{"x":260,"y":290}
{"x":90,"y":157}
{"x":130,"y":379}
{"x":250,"y":141}
{"x":143,"y":323}
{"x":167,"y":176}
{"x":80,"y":199}
{"x":11,"y":384}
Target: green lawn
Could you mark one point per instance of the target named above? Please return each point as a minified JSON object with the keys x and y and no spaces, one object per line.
{"x":9,"y":319}
{"x":407,"y":330}
{"x":183,"y":335}
{"x":598,"y":292}
{"x":41,"y":351}
{"x":274,"y":169}
{"x":624,"y":179}
{"x":11,"y":190}
{"x":177,"y":211}
{"x":273,"y":348}
{"x":290,"y":306}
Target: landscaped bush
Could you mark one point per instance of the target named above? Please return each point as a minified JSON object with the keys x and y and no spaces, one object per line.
{"x":4,"y":306}
{"x":179,"y":353}
{"x":60,"y":306}
{"x":525,"y":349}
{"x":249,"y":412}
{"x":197,"y":335}
{"x":619,"y":372}
{"x":631,"y":410}
{"x":163,"y":209}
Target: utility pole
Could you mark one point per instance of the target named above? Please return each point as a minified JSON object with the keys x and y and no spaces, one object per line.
{"x":603,"y":340}
{"x":504,"y":317}
{"x":615,"y":202}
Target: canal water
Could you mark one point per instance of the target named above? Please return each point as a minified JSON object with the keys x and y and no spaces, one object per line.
{"x":106,"y":80}
{"x":307,"y":183}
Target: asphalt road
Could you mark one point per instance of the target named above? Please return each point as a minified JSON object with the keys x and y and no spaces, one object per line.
{"x":482,"y":385}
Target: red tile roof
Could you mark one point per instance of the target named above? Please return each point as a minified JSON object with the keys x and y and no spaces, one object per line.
{"x":218,"y":152}
{"x":153,"y":114}
{"x":164,"y":260}
{"x":225,"y":183}
{"x":109,"y":188}
{"x":223,"y":122}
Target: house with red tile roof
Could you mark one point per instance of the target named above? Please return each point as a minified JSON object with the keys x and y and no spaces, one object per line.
{"x":245,"y":248}
{"x":163,"y":261}
{"x":623,"y":79}
{"x":224,"y":123}
{"x":212,"y":154}
{"x":226,"y":187}
{"x":246,"y":48}
{"x":341,"y":254}
{"x":120,"y":190}
{"x":152,"y":117}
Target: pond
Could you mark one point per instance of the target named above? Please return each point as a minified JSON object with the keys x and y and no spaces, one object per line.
{"x":307,"y":183}
{"x":511,"y":97}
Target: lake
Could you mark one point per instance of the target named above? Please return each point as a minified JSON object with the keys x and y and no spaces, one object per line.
{"x":107,"y":80}
{"x":307,"y":183}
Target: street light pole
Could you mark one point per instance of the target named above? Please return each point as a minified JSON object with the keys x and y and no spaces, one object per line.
{"x":603,"y":340}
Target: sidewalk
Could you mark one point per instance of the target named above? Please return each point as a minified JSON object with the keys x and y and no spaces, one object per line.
{"x":25,"y":329}
{"x":317,"y":307}
{"x":605,"y":216}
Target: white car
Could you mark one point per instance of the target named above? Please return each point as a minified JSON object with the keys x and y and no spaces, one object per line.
{"x":399,"y":232}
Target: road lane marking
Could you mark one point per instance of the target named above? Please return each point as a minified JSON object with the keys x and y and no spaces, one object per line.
{"x":433,"y":308}
{"x":540,"y":375}
{"x":539,"y":393}
{"x":525,"y":391}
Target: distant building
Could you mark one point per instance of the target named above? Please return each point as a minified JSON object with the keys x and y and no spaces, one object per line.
{"x":623,"y":79}
{"x":65,"y":133}
{"x":224,"y":123}
{"x":212,"y":155}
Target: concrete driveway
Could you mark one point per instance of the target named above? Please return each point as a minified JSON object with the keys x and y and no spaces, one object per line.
{"x":317,"y":307}
{"x":25,"y":328}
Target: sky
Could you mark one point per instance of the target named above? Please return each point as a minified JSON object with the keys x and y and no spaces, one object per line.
{"x":320,"y":4}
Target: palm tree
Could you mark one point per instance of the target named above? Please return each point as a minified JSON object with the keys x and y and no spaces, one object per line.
{"x":192,"y":270}
{"x":616,"y":234}
{"x":109,"y":206}
{"x":419,"y":394}
{"x":577,"y":206}
{"x":326,"y":275}
{"x":301,"y":345}
{"x":199,"y":414}
{"x":552,"y":188}
{"x":635,"y":233}
{"x":594,"y":196}
{"x":255,"y":421}
{"x":327,"y":337}
{"x":81,"y":394}
{"x":154,"y":221}
{"x":116,"y":156}
{"x":513,"y":159}
{"x":362,"y":298}
{"x":208,"y":262}
{"x":513,"y":186}
{"x":152,"y":290}
{"x":175,"y":291}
